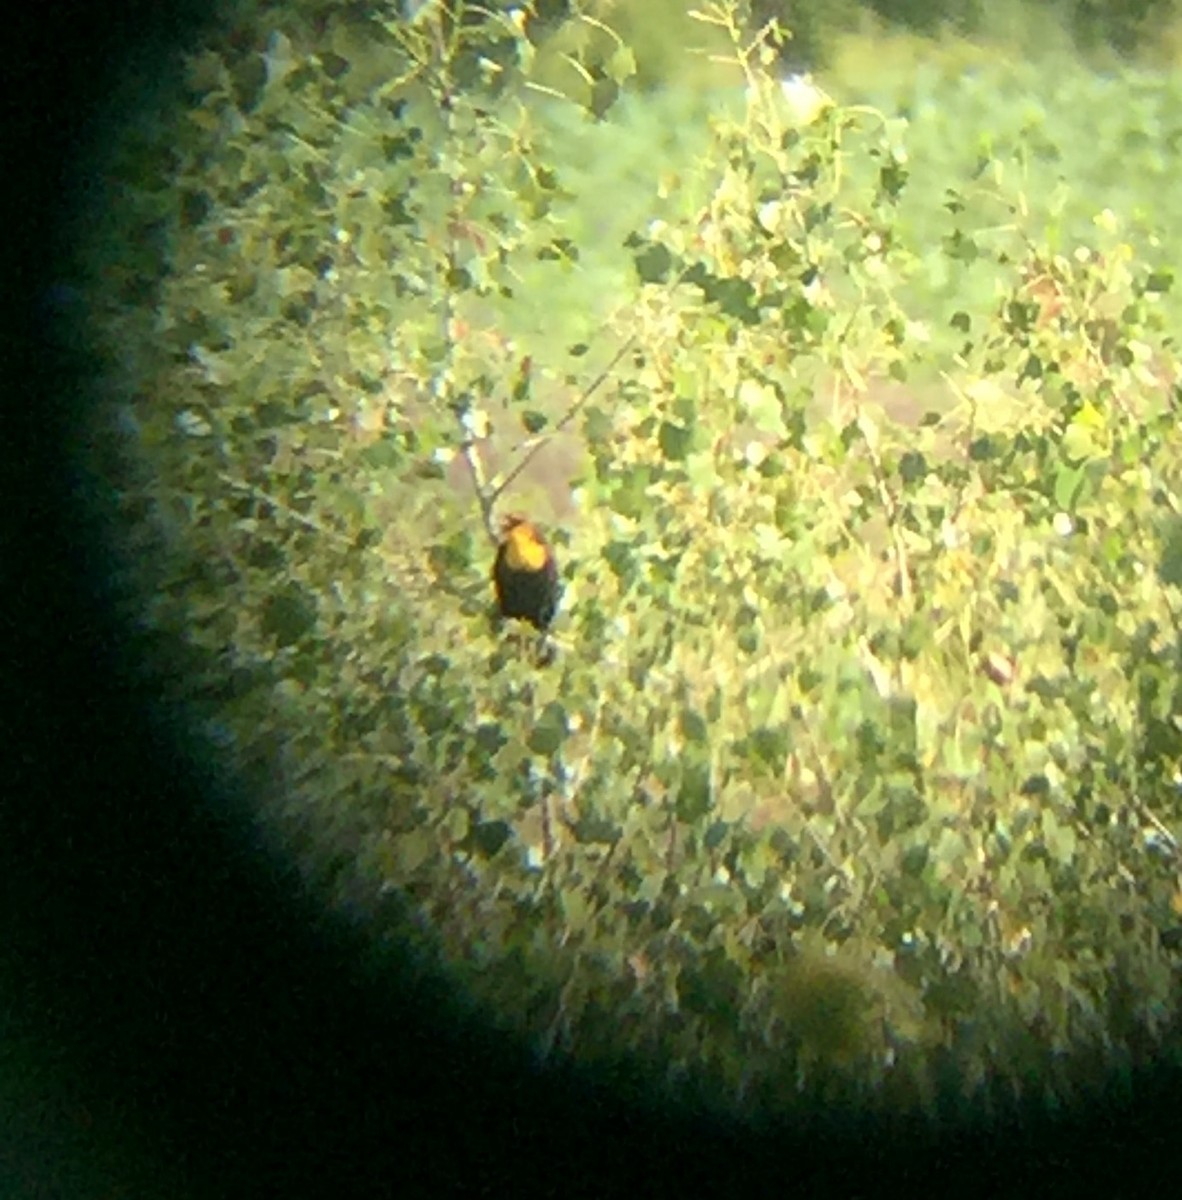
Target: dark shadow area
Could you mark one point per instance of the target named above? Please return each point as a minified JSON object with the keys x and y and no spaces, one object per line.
{"x":177,"y":1019}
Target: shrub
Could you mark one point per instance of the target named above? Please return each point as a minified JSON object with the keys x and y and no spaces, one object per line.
{"x":859,"y":753}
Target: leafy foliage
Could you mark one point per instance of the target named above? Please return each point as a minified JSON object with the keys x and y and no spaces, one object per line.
{"x":859,"y":755}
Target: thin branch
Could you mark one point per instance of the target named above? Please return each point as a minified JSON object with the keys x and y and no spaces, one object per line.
{"x":547,"y":827}
{"x":530,"y":85}
{"x":1146,"y":814}
{"x":441,"y":384}
{"x":484,"y":498}
{"x":406,"y":569}
{"x":970,"y":434}
{"x":589,"y":20}
{"x":892,"y":514}
{"x":300,"y":518}
{"x":562,"y":423}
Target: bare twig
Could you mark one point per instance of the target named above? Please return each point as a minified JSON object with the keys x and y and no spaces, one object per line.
{"x":671,"y":850}
{"x":442,"y":381}
{"x":406,"y":569}
{"x":547,"y":826}
{"x":570,"y":414}
{"x":266,"y":498}
{"x":970,"y":433}
{"x":1146,"y":814}
{"x":484,"y":498}
{"x":892,"y":514}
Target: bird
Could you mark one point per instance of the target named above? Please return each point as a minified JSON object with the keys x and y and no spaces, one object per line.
{"x":525,"y":574}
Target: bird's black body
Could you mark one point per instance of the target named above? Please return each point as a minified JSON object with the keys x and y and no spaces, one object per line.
{"x":525,"y":575}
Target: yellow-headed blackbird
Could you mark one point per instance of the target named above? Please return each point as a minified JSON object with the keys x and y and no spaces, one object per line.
{"x":525,"y":574}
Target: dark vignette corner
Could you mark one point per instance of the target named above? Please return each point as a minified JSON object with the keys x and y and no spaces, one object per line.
{"x":176,"y":1019}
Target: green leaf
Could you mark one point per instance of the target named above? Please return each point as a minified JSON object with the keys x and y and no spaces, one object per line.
{"x":761,"y":406}
{"x":770,"y":745}
{"x":289,"y":615}
{"x":413,"y":849}
{"x":716,"y":835}
{"x":892,"y":178}
{"x":455,"y":824}
{"x":694,"y":727}
{"x":722,"y":900}
{"x":1081,"y":438}
{"x":872,"y":803}
{"x":621,"y":558}
{"x":621,"y":66}
{"x":1170,"y":568}
{"x":577,"y":909}
{"x":949,"y":853}
{"x":701,"y":471}
{"x":982,"y":449}
{"x":489,"y":836}
{"x":459,"y":279}
{"x":961,"y":248}
{"x":711,"y":987}
{"x":654,"y":263}
{"x":558,"y":250}
{"x":914,"y":860}
{"x":759,"y":861}
{"x":604,"y":93}
{"x":735,"y":297}
{"x":550,"y":729}
{"x":1060,"y":838}
{"x":913,"y":466}
{"x":695,"y":796}
{"x":490,"y":737}
{"x":1069,"y":482}
{"x":597,"y":425}
{"x":630,"y":496}
{"x":592,"y":829}
{"x":675,"y":441}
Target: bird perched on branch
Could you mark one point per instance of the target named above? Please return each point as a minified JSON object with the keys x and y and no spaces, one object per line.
{"x":525,"y":574}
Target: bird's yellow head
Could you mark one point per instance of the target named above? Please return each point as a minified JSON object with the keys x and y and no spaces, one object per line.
{"x":524,"y":548}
